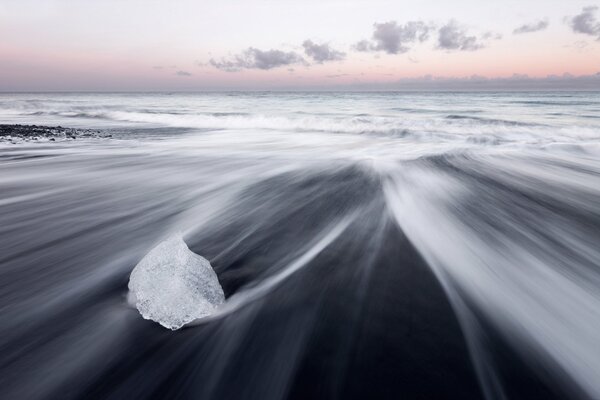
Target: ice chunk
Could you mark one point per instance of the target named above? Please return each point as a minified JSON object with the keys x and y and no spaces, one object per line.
{"x":172,"y":285}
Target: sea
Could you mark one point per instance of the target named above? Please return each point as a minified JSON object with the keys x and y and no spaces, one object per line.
{"x":369,"y":245}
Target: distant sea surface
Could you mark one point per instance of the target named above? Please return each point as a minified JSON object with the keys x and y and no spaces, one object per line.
{"x":406,"y":245}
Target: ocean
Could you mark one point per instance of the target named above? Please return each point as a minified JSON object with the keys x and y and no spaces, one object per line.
{"x":369,"y":245}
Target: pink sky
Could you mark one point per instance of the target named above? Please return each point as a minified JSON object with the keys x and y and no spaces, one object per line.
{"x":154,"y":45}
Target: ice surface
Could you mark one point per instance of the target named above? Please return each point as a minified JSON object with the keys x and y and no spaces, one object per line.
{"x":172,"y":285}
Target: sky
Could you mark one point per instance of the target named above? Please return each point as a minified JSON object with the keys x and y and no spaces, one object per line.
{"x":289,"y":44}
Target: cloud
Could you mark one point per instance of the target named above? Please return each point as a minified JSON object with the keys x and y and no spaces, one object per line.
{"x":252,"y":58}
{"x":453,"y":37}
{"x":491,"y":35}
{"x":321,"y":53}
{"x":532,"y":27}
{"x":363,"y":45}
{"x":393,"y":38}
{"x":586,"y":22}
{"x":182,"y":73}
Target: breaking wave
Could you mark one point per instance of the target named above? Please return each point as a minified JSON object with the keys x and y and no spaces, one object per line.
{"x":451,"y":128}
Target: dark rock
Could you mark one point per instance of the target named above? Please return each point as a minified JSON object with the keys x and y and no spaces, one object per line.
{"x":17,"y":133}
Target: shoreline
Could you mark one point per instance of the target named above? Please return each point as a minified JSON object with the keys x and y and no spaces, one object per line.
{"x":17,"y":133}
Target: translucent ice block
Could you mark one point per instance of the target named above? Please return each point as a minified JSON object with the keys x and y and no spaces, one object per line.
{"x":172,"y":285}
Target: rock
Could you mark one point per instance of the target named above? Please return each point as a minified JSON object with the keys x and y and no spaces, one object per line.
{"x":42,"y":133}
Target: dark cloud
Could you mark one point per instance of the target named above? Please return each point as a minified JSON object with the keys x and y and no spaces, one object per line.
{"x":252,"y":58}
{"x":321,"y":53}
{"x":453,"y":37}
{"x":393,"y":38}
{"x":586,"y":22}
{"x":532,"y":27}
{"x":182,"y":73}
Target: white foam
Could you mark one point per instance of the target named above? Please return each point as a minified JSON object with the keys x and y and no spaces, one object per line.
{"x":542,"y":301}
{"x":264,"y":287}
{"x":172,"y":285}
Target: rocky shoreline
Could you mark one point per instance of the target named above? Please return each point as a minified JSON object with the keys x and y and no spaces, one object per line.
{"x":38,"y":133}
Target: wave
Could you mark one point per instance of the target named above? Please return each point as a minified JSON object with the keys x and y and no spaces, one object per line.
{"x":456,"y":121}
{"x":462,"y":130}
{"x":555,"y":103}
{"x":532,"y":280}
{"x":357,"y":123}
{"x":490,"y":121}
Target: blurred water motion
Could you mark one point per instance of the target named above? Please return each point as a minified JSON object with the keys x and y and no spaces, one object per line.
{"x":369,"y":245}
